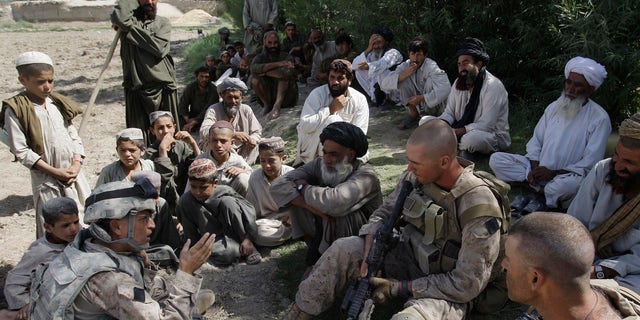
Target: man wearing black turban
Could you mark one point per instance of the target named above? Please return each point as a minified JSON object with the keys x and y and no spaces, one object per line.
{"x":478,"y":108}
{"x":332,"y":196}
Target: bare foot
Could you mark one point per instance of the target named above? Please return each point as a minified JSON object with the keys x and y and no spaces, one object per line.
{"x":274,"y":114}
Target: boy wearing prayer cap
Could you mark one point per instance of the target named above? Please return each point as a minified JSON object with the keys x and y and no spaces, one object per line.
{"x":274,"y":225}
{"x":478,"y":106}
{"x":607,"y":204}
{"x":61,"y":224}
{"x":171,"y":153}
{"x":37,"y":127}
{"x":331,"y":197}
{"x":218,"y":209}
{"x":567,"y":142}
{"x":130,"y":146}
{"x":231,"y":168}
{"x":247,"y":128}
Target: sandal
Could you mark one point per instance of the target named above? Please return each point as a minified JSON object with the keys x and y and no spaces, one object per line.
{"x":254,"y":258}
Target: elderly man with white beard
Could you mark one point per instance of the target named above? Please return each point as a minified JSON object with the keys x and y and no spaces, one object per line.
{"x":248,"y":130}
{"x":568,"y":140}
{"x":331,"y":196}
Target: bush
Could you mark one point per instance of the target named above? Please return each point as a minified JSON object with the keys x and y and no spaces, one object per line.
{"x":529,"y":41}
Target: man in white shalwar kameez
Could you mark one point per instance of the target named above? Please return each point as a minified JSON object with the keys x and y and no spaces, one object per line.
{"x":478,"y":106}
{"x":373,"y":64}
{"x":332,"y":102}
{"x":422,"y":85}
{"x":610,"y":195}
{"x":568,"y":140}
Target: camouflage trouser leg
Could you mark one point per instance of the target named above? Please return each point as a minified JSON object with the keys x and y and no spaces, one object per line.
{"x":426,"y":308}
{"x":339,"y":264}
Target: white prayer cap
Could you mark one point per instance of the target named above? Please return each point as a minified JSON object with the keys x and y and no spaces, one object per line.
{"x":594,"y":72}
{"x":130,"y":134}
{"x":426,"y":119}
{"x":232,"y":83}
{"x":153,"y":116}
{"x":31,"y":57}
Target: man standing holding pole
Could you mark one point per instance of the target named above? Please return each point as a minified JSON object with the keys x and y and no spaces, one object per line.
{"x":148,"y":70}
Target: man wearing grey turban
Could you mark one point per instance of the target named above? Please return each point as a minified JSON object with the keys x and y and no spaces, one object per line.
{"x":568,"y":140}
{"x":248,"y":130}
{"x":333,"y":196}
{"x":478,"y":107}
{"x":608,"y":204}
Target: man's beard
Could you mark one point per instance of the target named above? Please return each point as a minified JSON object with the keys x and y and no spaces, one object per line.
{"x":338,"y":90}
{"x":340,"y":173}
{"x":232,"y":111}
{"x":569,"y":108}
{"x":273,"y":50}
{"x":150,"y":11}
{"x":621,"y":185}
{"x":466,"y":79}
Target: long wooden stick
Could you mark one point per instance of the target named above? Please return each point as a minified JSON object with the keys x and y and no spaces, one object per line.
{"x":94,"y":95}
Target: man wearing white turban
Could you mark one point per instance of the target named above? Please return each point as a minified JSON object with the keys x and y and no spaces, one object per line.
{"x":568,"y":140}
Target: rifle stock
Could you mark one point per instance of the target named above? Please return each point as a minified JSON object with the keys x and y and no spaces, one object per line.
{"x":360,"y":289}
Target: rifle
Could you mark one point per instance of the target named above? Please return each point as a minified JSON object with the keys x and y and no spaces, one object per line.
{"x":360,"y":290}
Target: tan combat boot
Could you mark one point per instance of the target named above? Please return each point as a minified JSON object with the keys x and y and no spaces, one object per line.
{"x":296,"y":314}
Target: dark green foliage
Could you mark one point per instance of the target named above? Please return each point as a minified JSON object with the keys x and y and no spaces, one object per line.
{"x":529,"y":41}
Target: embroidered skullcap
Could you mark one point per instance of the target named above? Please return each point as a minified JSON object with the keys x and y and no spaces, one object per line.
{"x":153,"y":116}
{"x":31,"y":57}
{"x":630,"y":127}
{"x":384,"y":32}
{"x":274,"y":143}
{"x":130,"y":134}
{"x":475,"y":48}
{"x":153,"y":177}
{"x":224,"y":30}
{"x":222,"y":124}
{"x":594,"y":72}
{"x":232,"y":83}
{"x":346,"y":135}
{"x":56,"y":206}
{"x":230,"y":46}
{"x":289,"y":23}
{"x":222,"y":53}
{"x":345,"y":62}
{"x":202,"y":168}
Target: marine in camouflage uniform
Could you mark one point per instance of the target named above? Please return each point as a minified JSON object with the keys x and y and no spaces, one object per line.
{"x":100,"y":275}
{"x":439,"y":288}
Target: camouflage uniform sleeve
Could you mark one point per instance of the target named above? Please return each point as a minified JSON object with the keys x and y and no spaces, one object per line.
{"x":479,"y":251}
{"x":120,"y":296}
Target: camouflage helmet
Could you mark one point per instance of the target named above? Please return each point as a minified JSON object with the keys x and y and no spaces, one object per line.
{"x":116,"y":200}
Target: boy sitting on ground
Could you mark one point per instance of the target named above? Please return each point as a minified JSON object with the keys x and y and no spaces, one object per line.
{"x":274,"y":226}
{"x":232,"y":170}
{"x":61,"y":224}
{"x":130,"y":146}
{"x":217,"y":209}
{"x":172,"y":153}
{"x":38,"y":130}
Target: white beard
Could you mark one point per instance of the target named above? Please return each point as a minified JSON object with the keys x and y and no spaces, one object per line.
{"x":569,"y":108}
{"x":340,"y":173}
